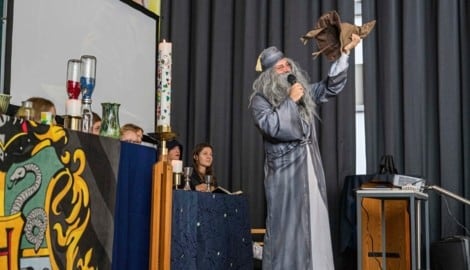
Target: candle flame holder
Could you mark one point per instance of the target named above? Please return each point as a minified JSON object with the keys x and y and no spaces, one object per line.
{"x":164,"y":133}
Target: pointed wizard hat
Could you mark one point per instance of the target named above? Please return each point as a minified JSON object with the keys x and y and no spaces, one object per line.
{"x":332,"y":35}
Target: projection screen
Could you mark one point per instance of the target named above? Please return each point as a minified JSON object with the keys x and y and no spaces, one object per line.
{"x":47,"y":33}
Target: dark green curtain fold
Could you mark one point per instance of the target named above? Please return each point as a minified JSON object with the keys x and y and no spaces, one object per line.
{"x":416,"y":92}
{"x":215,"y":48}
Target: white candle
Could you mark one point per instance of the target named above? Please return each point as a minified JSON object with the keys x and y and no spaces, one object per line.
{"x":177,"y":166}
{"x":164,"y":84}
{"x":73,"y":107}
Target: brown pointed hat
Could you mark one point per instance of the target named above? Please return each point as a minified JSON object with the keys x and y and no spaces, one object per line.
{"x":332,"y":35}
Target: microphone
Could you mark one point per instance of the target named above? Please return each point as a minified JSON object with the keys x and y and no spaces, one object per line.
{"x":293,"y":80}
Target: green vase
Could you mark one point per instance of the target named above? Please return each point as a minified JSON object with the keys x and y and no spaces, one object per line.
{"x":110,"y":121}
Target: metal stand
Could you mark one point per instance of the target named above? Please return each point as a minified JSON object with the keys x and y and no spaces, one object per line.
{"x":416,"y":199}
{"x":448,"y":193}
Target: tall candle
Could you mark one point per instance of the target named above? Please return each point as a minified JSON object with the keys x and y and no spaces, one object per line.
{"x":164,"y":84}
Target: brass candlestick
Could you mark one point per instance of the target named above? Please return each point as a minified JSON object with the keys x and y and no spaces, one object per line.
{"x":164,"y":133}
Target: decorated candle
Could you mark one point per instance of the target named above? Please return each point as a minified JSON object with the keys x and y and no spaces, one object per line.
{"x":164,"y":84}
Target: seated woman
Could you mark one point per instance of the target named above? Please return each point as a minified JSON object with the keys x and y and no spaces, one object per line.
{"x":175,"y":150}
{"x":202,"y":166}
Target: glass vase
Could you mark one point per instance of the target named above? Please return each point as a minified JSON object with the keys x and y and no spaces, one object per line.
{"x":110,"y":121}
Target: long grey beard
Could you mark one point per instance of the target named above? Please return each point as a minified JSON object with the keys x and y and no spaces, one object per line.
{"x":275,"y":88}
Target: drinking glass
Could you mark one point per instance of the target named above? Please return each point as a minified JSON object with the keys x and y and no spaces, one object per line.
{"x":208,"y":179}
{"x":187,"y":171}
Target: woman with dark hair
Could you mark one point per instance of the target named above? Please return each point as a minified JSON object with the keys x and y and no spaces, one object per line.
{"x":175,"y":150}
{"x":202,"y":164}
{"x":96,"y":124}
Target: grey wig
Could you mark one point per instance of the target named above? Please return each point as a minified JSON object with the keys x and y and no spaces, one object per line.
{"x":275,"y":88}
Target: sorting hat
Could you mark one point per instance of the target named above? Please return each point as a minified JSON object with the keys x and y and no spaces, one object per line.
{"x":332,"y":35}
{"x":268,"y":58}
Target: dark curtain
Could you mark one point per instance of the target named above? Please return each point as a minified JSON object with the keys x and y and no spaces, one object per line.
{"x":417,"y":96}
{"x":215,"y":47}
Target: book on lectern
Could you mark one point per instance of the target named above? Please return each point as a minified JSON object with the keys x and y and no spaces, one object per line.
{"x":220,"y":189}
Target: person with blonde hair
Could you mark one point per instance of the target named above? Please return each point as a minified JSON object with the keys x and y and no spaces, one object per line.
{"x":131,"y":133}
{"x":43,"y":110}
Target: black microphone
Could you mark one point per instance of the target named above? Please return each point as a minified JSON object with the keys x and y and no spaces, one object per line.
{"x":293,"y":80}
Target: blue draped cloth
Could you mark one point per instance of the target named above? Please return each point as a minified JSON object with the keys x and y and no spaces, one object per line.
{"x":210,"y":231}
{"x":133,"y":201}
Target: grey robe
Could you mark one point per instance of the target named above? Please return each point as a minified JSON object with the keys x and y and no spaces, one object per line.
{"x":298,"y":232}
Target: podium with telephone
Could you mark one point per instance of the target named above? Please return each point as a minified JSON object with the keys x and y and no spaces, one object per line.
{"x":390,"y":230}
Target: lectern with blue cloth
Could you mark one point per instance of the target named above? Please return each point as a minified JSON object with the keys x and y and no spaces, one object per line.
{"x":210,"y":231}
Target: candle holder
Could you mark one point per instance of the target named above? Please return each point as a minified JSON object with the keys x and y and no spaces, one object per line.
{"x":177,"y":172}
{"x":164,"y":133}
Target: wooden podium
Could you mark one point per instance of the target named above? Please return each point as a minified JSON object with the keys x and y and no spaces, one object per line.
{"x":389,"y":229}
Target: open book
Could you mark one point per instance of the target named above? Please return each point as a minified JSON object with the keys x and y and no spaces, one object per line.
{"x":220,"y":189}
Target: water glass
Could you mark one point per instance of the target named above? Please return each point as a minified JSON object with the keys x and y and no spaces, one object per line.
{"x":208,"y":180}
{"x":187,"y":171}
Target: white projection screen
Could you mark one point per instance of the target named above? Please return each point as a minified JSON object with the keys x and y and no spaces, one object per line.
{"x":47,"y":33}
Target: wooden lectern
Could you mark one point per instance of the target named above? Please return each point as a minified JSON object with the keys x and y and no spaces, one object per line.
{"x":161,"y":209}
